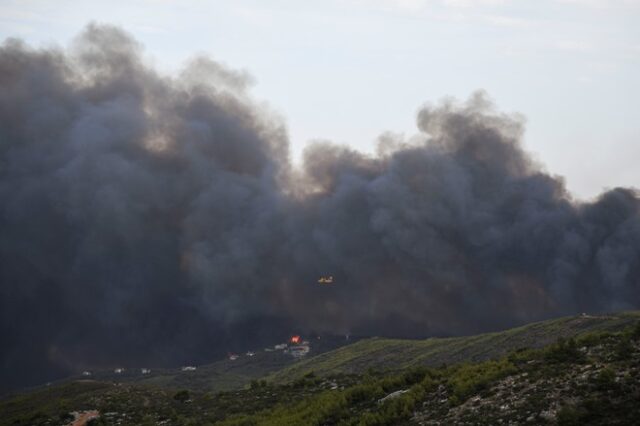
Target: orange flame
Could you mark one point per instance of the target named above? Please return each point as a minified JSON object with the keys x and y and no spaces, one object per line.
{"x":295,"y":339}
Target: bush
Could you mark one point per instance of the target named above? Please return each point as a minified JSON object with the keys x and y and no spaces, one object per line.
{"x":371,"y":419}
{"x":624,"y":349}
{"x":469,"y":379}
{"x":66,"y":417}
{"x":635,"y":334}
{"x":570,"y":416}
{"x":415,"y":375}
{"x":521,"y":355}
{"x":564,"y":351}
{"x":309,"y":379}
{"x":257,"y":384}
{"x":181,"y":396}
{"x":605,"y":379}
{"x":362,"y":393}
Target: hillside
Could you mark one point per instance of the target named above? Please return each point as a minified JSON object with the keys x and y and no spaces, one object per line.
{"x":590,"y":380}
{"x":214,"y":377}
{"x":394,"y":354}
{"x":221,"y":375}
{"x":496,"y":378}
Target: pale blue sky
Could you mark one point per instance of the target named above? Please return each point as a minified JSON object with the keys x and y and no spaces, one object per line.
{"x":350,"y":70}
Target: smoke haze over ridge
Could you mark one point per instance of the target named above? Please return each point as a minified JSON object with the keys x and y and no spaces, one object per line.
{"x":158,"y":219}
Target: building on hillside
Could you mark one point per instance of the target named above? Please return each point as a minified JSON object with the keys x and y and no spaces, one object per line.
{"x":298,"y":351}
{"x":188,"y":368}
{"x":145,"y":370}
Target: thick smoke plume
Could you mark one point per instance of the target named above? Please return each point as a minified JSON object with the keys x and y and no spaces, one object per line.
{"x":154,"y":219}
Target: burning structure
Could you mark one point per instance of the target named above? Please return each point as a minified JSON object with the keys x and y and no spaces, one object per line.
{"x":298,"y":347}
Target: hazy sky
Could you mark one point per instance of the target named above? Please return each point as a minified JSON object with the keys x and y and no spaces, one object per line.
{"x":350,"y":70}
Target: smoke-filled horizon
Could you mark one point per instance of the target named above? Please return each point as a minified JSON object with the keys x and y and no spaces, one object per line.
{"x":147,"y":218}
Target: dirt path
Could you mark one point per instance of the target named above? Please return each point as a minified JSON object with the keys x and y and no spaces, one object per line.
{"x":82,"y":417}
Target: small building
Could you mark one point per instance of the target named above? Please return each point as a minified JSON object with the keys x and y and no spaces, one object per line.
{"x":188,"y":368}
{"x":298,"y":351}
{"x":86,"y":373}
{"x":145,"y":370}
{"x":233,"y":357}
{"x":119,"y":370}
{"x":280,"y":347}
{"x":250,"y":353}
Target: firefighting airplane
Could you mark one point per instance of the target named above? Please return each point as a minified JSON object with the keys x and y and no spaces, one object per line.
{"x":326,"y":280}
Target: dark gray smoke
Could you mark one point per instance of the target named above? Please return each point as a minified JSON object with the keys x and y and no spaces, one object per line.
{"x":154,"y":219}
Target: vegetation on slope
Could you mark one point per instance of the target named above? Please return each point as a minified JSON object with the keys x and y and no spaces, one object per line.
{"x":593,"y":378}
{"x":395,"y":354}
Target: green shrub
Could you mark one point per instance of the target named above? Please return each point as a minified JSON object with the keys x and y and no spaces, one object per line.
{"x":605,"y":379}
{"x":257,"y":384}
{"x":570,"y":416}
{"x":371,"y":419}
{"x":564,"y":350}
{"x":182,"y":395}
{"x":415,"y":375}
{"x":624,"y":349}
{"x":469,"y":379}
{"x":594,"y":338}
{"x":364,"y":392}
{"x":635,"y":334}
{"x":522,"y":355}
